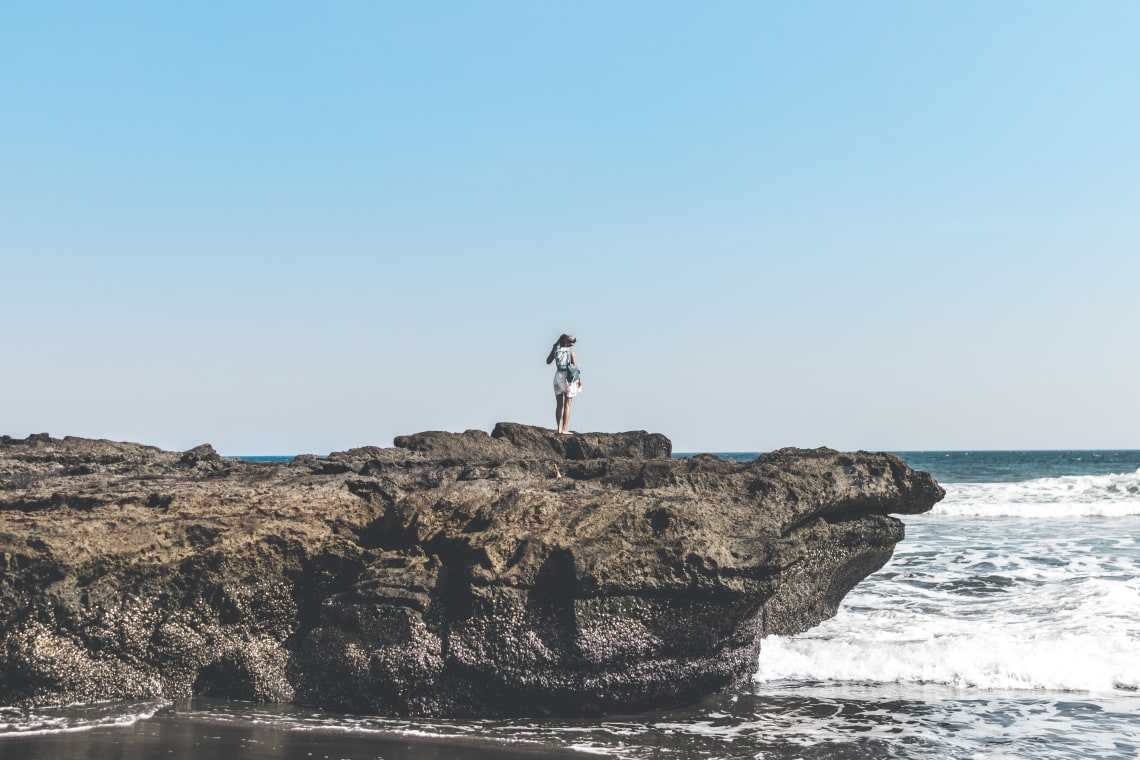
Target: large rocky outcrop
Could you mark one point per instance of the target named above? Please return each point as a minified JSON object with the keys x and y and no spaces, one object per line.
{"x":515,"y":573}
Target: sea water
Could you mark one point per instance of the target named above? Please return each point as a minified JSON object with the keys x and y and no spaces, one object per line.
{"x":1007,"y":625}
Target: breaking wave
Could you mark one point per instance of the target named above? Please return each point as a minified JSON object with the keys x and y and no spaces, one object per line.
{"x":1116,"y":495}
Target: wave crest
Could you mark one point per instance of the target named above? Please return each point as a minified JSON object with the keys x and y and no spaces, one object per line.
{"x":1116,"y":495}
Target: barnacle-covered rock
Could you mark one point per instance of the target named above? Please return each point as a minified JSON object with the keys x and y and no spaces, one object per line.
{"x":467,"y":574}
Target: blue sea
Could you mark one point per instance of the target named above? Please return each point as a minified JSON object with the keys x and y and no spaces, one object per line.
{"x":1007,"y":625}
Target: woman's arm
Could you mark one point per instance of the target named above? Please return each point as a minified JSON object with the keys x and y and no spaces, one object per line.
{"x":550,"y":356}
{"x":573,"y":358}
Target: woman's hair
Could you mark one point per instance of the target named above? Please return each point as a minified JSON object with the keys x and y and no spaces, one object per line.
{"x":566,"y":340}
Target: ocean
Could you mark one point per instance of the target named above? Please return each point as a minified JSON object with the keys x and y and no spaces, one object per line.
{"x":1007,"y":625}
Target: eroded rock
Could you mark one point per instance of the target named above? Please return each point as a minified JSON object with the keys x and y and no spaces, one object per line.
{"x":463,"y":574}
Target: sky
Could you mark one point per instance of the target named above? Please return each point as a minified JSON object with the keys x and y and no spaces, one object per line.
{"x":294,"y":227}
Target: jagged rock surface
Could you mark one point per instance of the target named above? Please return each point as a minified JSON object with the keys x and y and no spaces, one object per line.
{"x":462,"y":574}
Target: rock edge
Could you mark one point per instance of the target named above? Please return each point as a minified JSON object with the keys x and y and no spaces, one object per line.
{"x":458,"y":574}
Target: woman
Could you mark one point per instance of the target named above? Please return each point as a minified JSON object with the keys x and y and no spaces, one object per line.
{"x":567,"y":380}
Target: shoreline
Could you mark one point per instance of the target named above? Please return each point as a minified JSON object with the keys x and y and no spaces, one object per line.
{"x":176,"y":734}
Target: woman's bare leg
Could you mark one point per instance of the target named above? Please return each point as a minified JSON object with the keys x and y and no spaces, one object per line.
{"x":565,"y":429}
{"x":559,"y":403}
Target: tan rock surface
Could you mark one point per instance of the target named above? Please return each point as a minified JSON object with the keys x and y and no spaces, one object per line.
{"x":458,"y":573}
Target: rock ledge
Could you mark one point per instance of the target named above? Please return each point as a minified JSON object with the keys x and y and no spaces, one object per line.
{"x":460,"y":574}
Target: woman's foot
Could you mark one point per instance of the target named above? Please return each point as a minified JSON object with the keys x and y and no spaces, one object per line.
{"x":566,"y":432}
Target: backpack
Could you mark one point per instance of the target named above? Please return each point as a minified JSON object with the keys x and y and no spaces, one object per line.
{"x":562,"y":360}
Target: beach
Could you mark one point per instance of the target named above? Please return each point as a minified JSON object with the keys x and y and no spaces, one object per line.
{"x":197,"y":729}
{"x":1005,"y":626}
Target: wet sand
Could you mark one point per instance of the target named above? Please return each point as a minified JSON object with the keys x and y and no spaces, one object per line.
{"x":176,"y":738}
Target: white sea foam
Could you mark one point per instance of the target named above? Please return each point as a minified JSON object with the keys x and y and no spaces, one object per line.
{"x":17,"y":721}
{"x":985,"y":660}
{"x":1067,"y":496}
{"x":983,"y":605}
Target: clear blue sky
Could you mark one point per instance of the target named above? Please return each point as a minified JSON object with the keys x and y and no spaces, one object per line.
{"x":286,"y":227}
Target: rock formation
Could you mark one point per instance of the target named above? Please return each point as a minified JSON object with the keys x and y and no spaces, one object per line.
{"x":461,"y":574}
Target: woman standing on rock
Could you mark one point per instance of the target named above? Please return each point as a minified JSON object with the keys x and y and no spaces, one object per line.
{"x":567,"y":379}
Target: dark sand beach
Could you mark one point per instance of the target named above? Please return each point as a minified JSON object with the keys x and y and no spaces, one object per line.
{"x":171,"y":735}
